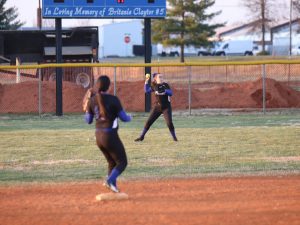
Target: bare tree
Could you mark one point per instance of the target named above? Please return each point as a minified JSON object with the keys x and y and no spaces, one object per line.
{"x":296,"y":7}
{"x":263,"y":12}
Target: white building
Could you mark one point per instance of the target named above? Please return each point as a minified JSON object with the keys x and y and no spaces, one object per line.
{"x":281,"y":37}
{"x":277,"y":37}
{"x":244,"y":32}
{"x":117,"y":39}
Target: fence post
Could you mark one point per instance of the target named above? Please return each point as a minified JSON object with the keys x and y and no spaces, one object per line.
{"x":115,"y":81}
{"x":40,"y":91}
{"x":264,"y":87}
{"x":289,"y":75}
{"x":18,"y":71}
{"x":190,"y":89}
{"x":226,"y":69}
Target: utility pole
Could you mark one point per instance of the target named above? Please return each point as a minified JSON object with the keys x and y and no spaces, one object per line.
{"x":59,"y":71}
{"x":263,"y":24}
{"x":291,"y":30}
{"x":148,"y":55}
{"x":39,"y":16}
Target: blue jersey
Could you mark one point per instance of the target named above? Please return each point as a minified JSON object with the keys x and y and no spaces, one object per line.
{"x":113,"y":108}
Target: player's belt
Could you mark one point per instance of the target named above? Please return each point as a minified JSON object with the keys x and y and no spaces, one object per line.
{"x":105,"y":129}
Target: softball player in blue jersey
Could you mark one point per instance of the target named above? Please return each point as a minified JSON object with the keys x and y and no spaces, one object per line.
{"x":162,"y":104}
{"x":106,"y":109}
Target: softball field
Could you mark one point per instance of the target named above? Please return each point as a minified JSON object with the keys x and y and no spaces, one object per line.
{"x":238,"y":169}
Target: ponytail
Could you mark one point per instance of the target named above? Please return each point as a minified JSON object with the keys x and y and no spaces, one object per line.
{"x":101,"y":105}
{"x":103,"y":83}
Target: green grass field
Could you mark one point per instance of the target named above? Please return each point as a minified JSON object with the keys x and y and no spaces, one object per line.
{"x":63,"y":149}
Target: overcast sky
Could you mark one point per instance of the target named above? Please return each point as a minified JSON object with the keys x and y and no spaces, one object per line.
{"x":232,"y":12}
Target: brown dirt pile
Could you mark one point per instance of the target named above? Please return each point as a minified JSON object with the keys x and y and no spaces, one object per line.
{"x":23,"y":97}
{"x":238,"y":95}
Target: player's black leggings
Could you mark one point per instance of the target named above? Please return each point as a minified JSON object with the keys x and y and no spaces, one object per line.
{"x":113,"y":150}
{"x":156,"y":112}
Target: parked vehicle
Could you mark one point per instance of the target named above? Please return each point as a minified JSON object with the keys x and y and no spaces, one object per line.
{"x":204,"y":52}
{"x":38,"y":46}
{"x":235,"y":48}
{"x":188,"y":51}
{"x":168,"y":51}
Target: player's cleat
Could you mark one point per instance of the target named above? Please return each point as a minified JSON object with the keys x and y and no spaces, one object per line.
{"x":139,"y":139}
{"x":175,"y":139}
{"x":105,"y":181}
{"x":104,"y":184}
{"x":111,"y":187}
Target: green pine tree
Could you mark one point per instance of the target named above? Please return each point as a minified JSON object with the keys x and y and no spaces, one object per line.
{"x":187,"y":24}
{"x":8,"y":17}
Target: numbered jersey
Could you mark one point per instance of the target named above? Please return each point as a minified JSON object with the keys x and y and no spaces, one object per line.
{"x":162,"y":98}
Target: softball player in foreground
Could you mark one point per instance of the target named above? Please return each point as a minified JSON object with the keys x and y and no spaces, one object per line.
{"x":106,"y":109}
{"x":162,"y":104}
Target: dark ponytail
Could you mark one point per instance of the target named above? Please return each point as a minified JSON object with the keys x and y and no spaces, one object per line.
{"x":103,"y":83}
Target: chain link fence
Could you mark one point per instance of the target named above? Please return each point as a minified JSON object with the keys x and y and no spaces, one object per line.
{"x":195,"y":87}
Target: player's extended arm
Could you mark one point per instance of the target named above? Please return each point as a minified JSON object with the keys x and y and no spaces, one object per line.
{"x":88,"y":117}
{"x":147,"y":88}
{"x":87,"y":100}
{"x":169,"y":92}
{"x":124,"y":117}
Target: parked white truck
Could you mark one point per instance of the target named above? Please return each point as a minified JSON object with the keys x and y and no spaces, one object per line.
{"x":235,"y":48}
{"x":188,"y":51}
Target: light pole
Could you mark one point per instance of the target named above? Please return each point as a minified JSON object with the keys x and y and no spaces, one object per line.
{"x":39,"y":16}
{"x":291,"y":30}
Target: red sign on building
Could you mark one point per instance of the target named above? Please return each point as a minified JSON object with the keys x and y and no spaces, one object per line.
{"x":127,"y":39}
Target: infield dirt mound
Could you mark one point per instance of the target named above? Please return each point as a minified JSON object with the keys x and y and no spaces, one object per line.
{"x":23,"y":97}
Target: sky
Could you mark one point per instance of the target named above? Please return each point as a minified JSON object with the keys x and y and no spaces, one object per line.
{"x":232,"y":12}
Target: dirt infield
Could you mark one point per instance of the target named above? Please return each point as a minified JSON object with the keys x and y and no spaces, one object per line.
{"x":247,"y":200}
